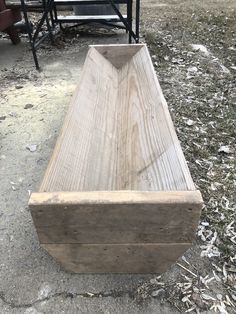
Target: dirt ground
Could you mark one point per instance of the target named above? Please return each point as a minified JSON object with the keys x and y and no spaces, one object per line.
{"x":192,"y":44}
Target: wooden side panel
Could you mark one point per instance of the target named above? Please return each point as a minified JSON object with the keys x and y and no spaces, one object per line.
{"x":85,"y":155}
{"x":150,"y":157}
{"x":127,"y":217}
{"x":118,"y":258}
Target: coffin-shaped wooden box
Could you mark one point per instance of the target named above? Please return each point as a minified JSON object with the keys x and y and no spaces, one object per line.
{"x":117,"y":195}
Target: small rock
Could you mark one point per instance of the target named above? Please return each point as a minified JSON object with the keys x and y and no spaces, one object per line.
{"x":201,"y":48}
{"x":224,"y":149}
{"x":174,"y":60}
{"x":31,"y":147}
{"x":18,"y":86}
{"x":13,"y":114}
{"x":192,"y":69}
{"x":90,"y":294}
{"x":31,"y":310}
{"x":153,"y":281}
{"x":44,"y":291}
{"x":205,"y":223}
{"x":28,"y":106}
{"x":2,"y":118}
{"x":190,"y":122}
{"x":158,"y":293}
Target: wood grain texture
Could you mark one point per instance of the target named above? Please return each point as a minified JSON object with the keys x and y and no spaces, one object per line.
{"x":116,"y":217}
{"x":117,"y":195}
{"x":118,"y":134}
{"x":116,"y":258}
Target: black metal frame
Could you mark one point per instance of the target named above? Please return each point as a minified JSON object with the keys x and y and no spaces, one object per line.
{"x":49,"y":15}
{"x":47,"y":6}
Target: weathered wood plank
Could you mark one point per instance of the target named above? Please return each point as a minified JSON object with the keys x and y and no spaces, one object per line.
{"x":116,"y":258}
{"x":87,"y":143}
{"x":116,"y":217}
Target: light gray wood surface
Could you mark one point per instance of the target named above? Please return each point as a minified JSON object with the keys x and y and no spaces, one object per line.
{"x":118,"y":134}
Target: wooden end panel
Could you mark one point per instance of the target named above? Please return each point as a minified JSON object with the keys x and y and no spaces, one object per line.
{"x":118,"y":55}
{"x":116,"y":258}
{"x":116,"y":217}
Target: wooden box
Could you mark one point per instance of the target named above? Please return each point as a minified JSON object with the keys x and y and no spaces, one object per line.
{"x":117,"y":195}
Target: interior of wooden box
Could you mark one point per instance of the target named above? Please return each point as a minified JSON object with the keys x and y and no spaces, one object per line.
{"x":118,"y":134}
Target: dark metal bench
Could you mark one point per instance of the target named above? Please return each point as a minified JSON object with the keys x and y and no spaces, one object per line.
{"x":49,"y":16}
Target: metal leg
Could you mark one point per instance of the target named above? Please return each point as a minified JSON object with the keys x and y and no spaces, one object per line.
{"x":127,"y":12}
{"x":34,"y":43}
{"x":28,"y":28}
{"x":35,"y":57}
{"x":47,"y":16}
{"x":52,"y":18}
{"x":137,"y":20}
{"x":43,"y":19}
{"x":130,"y":19}
{"x":55,"y":11}
{"x":123,"y":20}
{"x":49,"y":29}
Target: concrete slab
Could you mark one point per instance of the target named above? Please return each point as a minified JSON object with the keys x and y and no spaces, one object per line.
{"x":31,"y":281}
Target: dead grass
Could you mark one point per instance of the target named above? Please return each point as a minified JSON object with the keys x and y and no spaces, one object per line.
{"x":199,"y":85}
